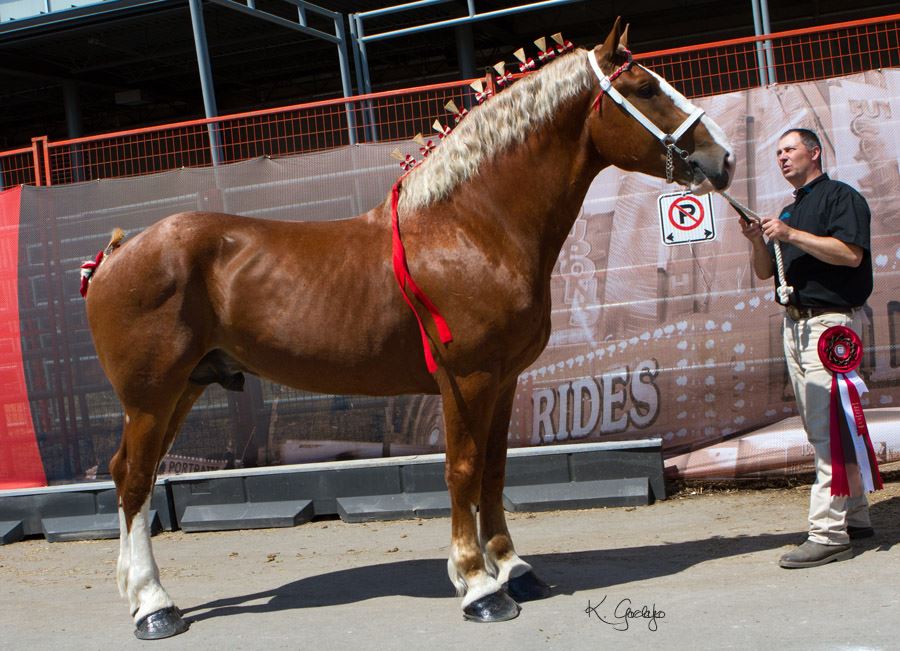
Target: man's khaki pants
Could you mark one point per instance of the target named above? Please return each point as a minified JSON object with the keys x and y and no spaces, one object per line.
{"x":828,"y":516}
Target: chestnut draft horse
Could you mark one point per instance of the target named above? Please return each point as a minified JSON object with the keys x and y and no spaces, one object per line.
{"x":200,"y":298}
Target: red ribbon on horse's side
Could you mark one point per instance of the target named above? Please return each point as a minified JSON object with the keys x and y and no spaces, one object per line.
{"x":404,"y":278}
{"x":87,"y":270}
{"x":854,"y":467}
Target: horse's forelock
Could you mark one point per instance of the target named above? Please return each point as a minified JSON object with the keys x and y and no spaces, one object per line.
{"x":490,"y":128}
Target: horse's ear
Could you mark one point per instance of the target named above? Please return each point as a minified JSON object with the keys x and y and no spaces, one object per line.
{"x":623,"y":41}
{"x":610,"y":45}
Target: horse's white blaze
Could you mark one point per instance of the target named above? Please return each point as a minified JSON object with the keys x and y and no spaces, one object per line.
{"x":137,"y":572}
{"x":718,"y":135}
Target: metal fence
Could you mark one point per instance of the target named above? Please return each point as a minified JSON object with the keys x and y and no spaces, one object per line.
{"x":714,"y":68}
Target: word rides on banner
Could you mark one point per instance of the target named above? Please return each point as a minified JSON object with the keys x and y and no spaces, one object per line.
{"x":620,"y":397}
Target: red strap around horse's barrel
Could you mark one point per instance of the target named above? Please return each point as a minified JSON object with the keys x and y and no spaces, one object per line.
{"x":401,"y":272}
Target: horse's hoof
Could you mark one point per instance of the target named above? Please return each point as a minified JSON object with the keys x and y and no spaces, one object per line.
{"x":527,"y":587}
{"x":496,"y":607}
{"x":161,"y":624}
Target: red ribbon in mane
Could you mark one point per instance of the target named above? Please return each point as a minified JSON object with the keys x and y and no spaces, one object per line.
{"x":854,"y":467}
{"x":404,"y":278}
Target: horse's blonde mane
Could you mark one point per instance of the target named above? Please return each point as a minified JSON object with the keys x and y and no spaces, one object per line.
{"x":490,"y":128}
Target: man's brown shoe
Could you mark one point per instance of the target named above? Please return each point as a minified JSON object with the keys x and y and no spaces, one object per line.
{"x":857,"y":533}
{"x":813,"y":554}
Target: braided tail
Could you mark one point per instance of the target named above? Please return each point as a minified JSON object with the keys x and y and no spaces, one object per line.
{"x":118,"y":235}
{"x":90,"y":266}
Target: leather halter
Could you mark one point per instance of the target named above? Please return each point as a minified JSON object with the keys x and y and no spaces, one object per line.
{"x":668,"y":140}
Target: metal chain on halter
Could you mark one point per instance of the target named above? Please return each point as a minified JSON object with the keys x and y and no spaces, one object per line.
{"x":670,"y":163}
{"x":783,"y":290}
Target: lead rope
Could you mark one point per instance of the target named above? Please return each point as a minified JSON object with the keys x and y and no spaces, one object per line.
{"x":783,"y":290}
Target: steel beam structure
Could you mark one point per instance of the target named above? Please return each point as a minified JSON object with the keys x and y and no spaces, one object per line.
{"x":764,"y":57}
{"x":339,"y":38}
{"x":361,"y":39}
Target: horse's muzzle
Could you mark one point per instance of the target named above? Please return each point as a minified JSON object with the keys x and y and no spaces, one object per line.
{"x":711,"y":173}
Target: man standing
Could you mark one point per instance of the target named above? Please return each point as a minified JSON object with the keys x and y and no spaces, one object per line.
{"x":824,"y":238}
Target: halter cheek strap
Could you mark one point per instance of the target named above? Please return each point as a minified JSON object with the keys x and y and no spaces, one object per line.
{"x":668,"y":140}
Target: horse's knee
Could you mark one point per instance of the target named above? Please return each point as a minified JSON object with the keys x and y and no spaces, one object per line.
{"x":463,"y":480}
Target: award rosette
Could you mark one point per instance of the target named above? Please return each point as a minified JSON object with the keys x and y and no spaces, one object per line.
{"x":853,"y":462}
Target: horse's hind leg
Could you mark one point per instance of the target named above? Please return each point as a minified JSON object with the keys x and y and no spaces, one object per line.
{"x":499,"y":553}
{"x":149,"y":431}
{"x":468,"y":406}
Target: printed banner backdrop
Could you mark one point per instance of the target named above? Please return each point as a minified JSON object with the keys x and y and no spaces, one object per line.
{"x":653,"y":336}
{"x":20,"y":461}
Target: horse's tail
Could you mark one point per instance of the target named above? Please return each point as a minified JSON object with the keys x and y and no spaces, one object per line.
{"x":90,"y":266}
{"x":118,"y":235}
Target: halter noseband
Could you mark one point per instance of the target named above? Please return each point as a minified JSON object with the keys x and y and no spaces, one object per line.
{"x":668,"y":140}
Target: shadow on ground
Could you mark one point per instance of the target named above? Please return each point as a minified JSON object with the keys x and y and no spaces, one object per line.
{"x":567,"y":572}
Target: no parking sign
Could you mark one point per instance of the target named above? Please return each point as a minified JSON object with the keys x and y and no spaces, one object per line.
{"x":685,"y":218}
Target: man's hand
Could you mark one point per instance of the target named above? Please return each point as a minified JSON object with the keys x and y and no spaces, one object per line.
{"x":751,"y":230}
{"x":760,"y":260}
{"x":775,"y":229}
{"x":825,"y":248}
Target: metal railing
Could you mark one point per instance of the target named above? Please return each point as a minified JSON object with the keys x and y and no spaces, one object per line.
{"x":709,"y":69}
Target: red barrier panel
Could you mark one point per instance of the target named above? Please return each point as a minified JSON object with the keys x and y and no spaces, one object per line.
{"x":20,"y":460}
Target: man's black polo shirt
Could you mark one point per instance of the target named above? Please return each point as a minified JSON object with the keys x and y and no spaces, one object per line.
{"x":827,"y":208}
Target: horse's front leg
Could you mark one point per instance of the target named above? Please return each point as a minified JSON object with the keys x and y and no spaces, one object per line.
{"x":516,"y":575}
{"x":468,"y":408}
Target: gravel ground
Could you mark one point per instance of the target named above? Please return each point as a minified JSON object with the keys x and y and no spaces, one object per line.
{"x":700,"y":571}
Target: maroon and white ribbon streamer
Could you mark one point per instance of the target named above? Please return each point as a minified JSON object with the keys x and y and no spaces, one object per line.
{"x":854,"y":466}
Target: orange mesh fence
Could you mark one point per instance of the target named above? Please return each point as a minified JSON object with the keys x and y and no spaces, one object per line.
{"x":17,"y":167}
{"x":287,"y":131}
{"x":714,"y":68}
{"x":799,"y":55}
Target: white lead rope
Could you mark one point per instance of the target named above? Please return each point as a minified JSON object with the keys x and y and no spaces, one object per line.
{"x":783,"y":290}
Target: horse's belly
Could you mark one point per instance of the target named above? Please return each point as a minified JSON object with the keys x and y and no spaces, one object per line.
{"x":333,"y":358}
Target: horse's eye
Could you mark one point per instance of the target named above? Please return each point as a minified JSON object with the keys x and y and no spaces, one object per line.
{"x":646,"y":91}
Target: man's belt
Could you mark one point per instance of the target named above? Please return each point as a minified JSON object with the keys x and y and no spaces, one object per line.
{"x":797,"y":313}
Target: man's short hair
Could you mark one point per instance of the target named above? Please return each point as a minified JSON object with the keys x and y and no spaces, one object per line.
{"x":809,"y":138}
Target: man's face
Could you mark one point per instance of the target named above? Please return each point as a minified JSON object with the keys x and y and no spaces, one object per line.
{"x":798,"y":164}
